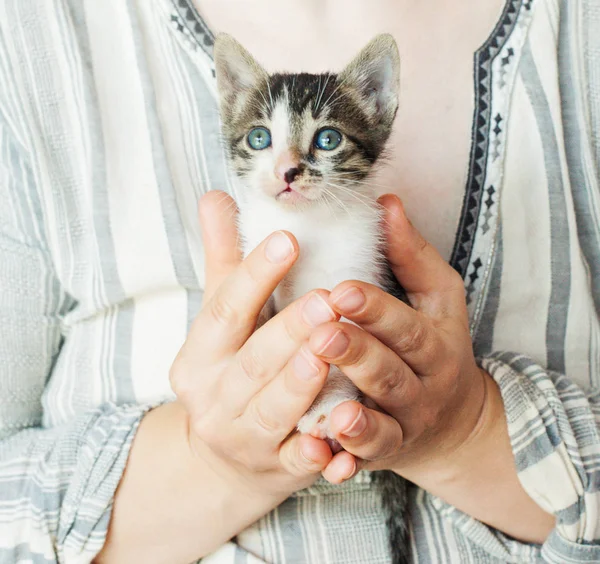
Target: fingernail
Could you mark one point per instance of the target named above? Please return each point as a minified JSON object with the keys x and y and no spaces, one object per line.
{"x":350,"y":300}
{"x":357,"y":426}
{"x":354,"y":468}
{"x":279,"y":247}
{"x":316,"y":311}
{"x":336,"y":346}
{"x":303,"y":367}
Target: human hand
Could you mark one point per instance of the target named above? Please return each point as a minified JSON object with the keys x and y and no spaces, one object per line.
{"x":416,"y":363}
{"x":244,"y":396}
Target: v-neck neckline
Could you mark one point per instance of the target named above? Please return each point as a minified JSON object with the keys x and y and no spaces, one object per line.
{"x":493,"y":70}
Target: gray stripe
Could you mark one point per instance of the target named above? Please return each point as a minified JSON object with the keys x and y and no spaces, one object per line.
{"x":570,"y":515}
{"x":591,"y":39}
{"x":558,"y":550}
{"x":292,"y":536}
{"x":417,"y":502}
{"x":22,"y":553}
{"x":108,"y":288}
{"x":241,"y":556}
{"x":124,"y":391}
{"x":175,"y":232}
{"x":483,"y":340}
{"x":215,"y":165}
{"x":584,"y":184}
{"x":558,"y":308}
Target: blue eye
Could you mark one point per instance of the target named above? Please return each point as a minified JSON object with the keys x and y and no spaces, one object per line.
{"x":328,"y":139}
{"x":259,"y":138}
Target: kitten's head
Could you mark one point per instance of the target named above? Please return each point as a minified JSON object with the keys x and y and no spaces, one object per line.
{"x":306,"y":139}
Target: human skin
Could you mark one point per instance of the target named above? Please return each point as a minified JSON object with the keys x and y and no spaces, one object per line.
{"x":224,"y":453}
{"x":429,"y":148}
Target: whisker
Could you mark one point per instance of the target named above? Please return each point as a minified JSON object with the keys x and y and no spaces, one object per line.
{"x":366,"y":201}
{"x":338,"y":176}
{"x":334,"y":91}
{"x":270,"y":94}
{"x":266,"y":107}
{"x":337,"y":200}
{"x":327,"y":203}
{"x":322,"y":94}
{"x":317,"y":96}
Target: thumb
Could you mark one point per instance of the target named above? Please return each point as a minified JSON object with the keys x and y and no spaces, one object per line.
{"x":218,"y":221}
{"x":417,"y":265}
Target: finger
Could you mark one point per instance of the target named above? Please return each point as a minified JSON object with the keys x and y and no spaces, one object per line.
{"x":373,"y":368}
{"x":217,"y":212}
{"x":366,"y":433}
{"x":342,"y":467}
{"x":304,"y":455}
{"x":417,"y":265}
{"x":229,"y":317}
{"x":269,"y":349}
{"x":406,"y":331}
{"x":278,"y":407}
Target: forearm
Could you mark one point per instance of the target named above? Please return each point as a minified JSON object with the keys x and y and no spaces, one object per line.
{"x":481,"y":479}
{"x":171,"y":505}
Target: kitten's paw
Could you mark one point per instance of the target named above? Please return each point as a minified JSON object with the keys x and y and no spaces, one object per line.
{"x":316,"y":421}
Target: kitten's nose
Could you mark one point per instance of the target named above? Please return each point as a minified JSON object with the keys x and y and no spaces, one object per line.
{"x":291,"y":174}
{"x":287,"y":167}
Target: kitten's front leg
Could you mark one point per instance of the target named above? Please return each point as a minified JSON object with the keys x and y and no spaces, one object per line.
{"x":316,"y":421}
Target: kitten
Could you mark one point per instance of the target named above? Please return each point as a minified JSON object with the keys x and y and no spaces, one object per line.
{"x":303,"y":147}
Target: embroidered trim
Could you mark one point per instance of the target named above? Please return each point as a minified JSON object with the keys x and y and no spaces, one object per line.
{"x":188,"y":21}
{"x":494,"y":71}
{"x":482,"y":133}
{"x":496,"y":64}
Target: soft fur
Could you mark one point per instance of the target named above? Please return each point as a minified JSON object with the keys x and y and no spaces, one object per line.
{"x":328,"y":203}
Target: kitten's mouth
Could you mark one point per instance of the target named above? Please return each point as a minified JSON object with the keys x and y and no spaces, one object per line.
{"x":290,"y":196}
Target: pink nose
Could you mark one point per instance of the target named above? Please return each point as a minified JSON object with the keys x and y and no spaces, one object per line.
{"x":287,"y":167}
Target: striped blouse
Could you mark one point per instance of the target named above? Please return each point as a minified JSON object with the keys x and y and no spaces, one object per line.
{"x":108,"y":137}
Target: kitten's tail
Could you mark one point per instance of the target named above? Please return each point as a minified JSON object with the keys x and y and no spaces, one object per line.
{"x":394,"y":492}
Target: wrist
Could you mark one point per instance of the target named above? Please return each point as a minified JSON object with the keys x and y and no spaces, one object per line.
{"x":480,"y":478}
{"x":175,"y":503}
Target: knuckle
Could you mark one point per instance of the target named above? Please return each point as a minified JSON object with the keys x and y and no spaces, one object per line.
{"x":389,"y":384}
{"x":181,"y":384}
{"x":203,"y":428}
{"x":222,"y":311}
{"x":265,"y":422}
{"x":414,"y":338}
{"x":298,"y":465}
{"x":358,"y":351}
{"x":303,"y":466}
{"x":455,"y":279}
{"x":290,"y":328}
{"x":252,"y":365}
{"x":254,"y":270}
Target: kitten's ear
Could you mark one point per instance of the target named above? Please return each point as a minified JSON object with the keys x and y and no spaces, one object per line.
{"x":237,"y":70}
{"x":375,"y":73}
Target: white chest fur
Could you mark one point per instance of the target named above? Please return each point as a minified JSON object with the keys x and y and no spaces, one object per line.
{"x":334,"y":245}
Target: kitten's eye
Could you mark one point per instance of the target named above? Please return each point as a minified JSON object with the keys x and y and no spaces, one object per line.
{"x":259,"y":138}
{"x":328,"y":139}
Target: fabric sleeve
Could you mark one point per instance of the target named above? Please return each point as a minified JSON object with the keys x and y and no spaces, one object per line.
{"x":56,"y":485}
{"x":555,"y":437}
{"x":554,"y":429}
